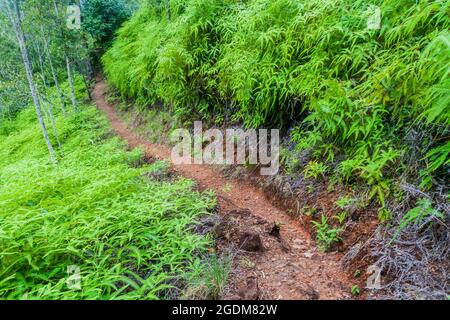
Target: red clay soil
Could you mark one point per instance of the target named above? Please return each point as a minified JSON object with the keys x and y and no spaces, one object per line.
{"x":289,"y":267}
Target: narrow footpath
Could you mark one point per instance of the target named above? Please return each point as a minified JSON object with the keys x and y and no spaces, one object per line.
{"x":289,"y":267}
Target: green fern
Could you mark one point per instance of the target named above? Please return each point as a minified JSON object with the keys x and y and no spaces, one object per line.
{"x":416,"y":215}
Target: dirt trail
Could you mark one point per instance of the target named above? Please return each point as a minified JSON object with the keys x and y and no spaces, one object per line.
{"x":292,"y":268}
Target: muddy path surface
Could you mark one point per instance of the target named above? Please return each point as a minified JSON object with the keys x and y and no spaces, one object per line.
{"x":275,"y":265}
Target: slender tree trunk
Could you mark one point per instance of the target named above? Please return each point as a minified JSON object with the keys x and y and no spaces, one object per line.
{"x":42,"y":76}
{"x":55,"y":7}
{"x":69,"y":71}
{"x":52,"y":119}
{"x":91,"y":73}
{"x":49,"y":109}
{"x":55,"y":77}
{"x":86,"y":84}
{"x":44,"y":112}
{"x":41,"y":61}
{"x":72,"y":89}
{"x":14,"y":16}
{"x":85,"y":74}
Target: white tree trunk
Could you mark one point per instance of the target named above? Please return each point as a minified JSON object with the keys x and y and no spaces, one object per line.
{"x":52,"y":119}
{"x":72,"y":90}
{"x":14,"y":17}
{"x":44,"y":101}
{"x":55,"y":77}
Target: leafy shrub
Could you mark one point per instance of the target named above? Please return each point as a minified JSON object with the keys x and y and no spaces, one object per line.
{"x":326,"y":235}
{"x":341,"y":216}
{"x":314,"y":169}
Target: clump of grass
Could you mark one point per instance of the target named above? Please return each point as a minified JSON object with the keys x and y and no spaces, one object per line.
{"x":126,"y":232}
{"x":208,"y":278}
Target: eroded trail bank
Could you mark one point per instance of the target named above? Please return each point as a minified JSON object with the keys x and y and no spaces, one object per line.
{"x":287,"y":266}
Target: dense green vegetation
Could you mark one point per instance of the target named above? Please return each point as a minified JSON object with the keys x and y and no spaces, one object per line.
{"x":364,"y":110}
{"x":100,"y":208}
{"x":372,"y":104}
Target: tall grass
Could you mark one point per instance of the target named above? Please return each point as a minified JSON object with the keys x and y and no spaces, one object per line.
{"x":99,"y":209}
{"x":372,"y":96}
